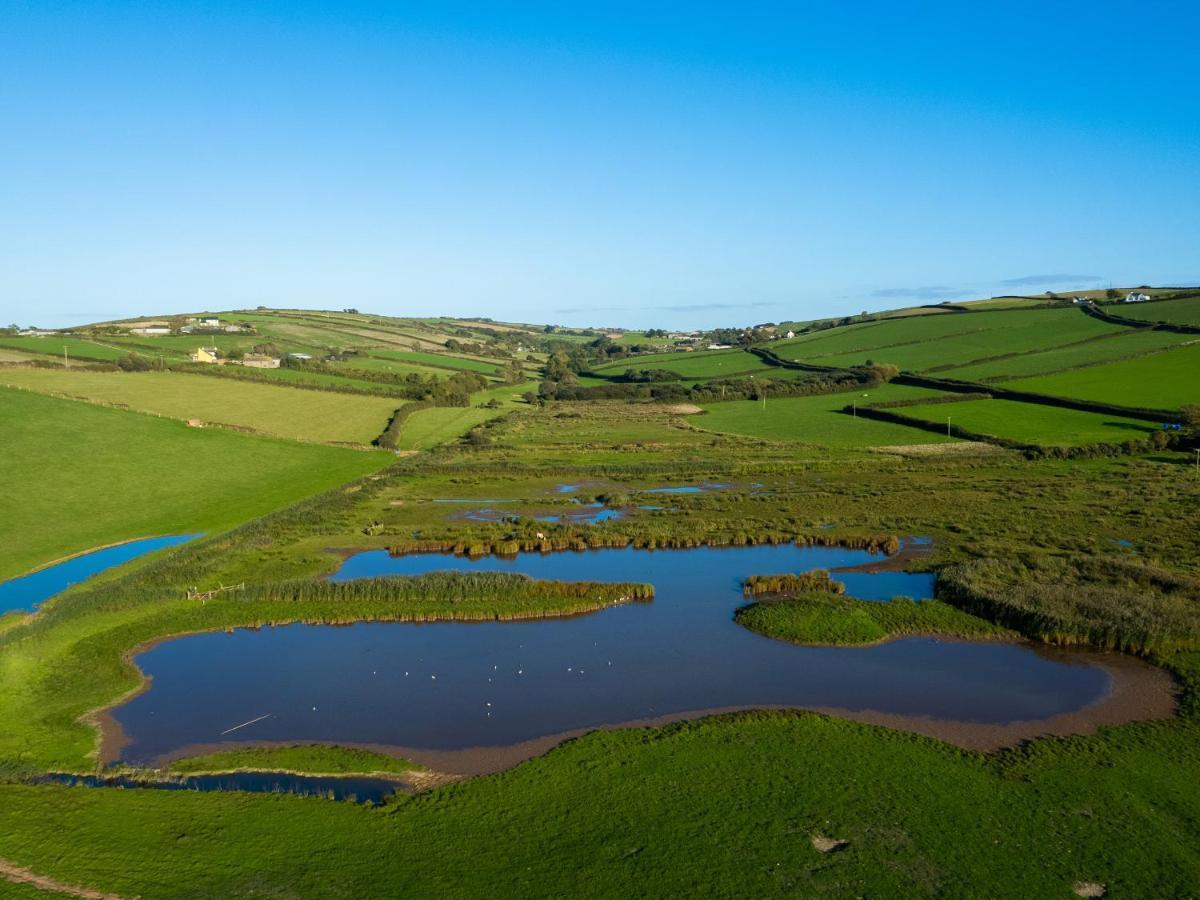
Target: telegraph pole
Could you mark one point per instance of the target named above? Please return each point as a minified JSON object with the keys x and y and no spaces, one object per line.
{"x":947,"y":426}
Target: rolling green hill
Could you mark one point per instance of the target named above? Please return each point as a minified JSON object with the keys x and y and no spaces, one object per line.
{"x":84,"y":476}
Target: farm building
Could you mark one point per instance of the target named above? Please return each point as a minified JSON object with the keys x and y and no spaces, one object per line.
{"x":151,"y":329}
{"x":204,"y":355}
{"x":300,"y":357}
{"x":1136,"y":297}
{"x":260,"y":361}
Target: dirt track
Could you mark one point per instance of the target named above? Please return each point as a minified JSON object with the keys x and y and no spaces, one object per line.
{"x":18,"y":875}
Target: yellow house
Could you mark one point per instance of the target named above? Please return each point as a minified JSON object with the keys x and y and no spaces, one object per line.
{"x":204,"y":355}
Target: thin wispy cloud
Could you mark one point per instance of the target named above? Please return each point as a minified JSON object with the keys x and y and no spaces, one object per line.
{"x":926,"y":292}
{"x":685,"y":307}
{"x":1058,"y":278}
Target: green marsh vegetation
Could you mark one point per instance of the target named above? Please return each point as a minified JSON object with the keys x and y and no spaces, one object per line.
{"x":812,"y":608}
{"x":1103,"y":601}
{"x":744,"y":794}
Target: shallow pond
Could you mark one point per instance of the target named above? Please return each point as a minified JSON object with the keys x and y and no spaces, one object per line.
{"x":26,"y":592}
{"x":360,"y":788}
{"x":449,"y":686}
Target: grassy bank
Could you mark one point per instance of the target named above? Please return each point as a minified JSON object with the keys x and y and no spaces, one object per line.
{"x":315,"y":759}
{"x":728,"y":806}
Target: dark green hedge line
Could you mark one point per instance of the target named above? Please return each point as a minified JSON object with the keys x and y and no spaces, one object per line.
{"x":390,"y":438}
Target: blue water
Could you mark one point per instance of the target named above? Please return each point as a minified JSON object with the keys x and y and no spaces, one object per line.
{"x":590,"y":514}
{"x":584,"y":514}
{"x":359,"y":788}
{"x":448,"y":685}
{"x":28,"y":591}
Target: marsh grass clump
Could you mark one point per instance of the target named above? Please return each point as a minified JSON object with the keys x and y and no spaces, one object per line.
{"x":1106,"y":601}
{"x":818,"y":580}
{"x":824,"y":617}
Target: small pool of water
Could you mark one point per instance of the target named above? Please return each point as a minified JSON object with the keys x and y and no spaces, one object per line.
{"x":587,"y":514}
{"x":359,"y":788}
{"x":28,"y":591}
{"x":584,"y":514}
{"x":689,"y":488}
{"x":454,"y":685}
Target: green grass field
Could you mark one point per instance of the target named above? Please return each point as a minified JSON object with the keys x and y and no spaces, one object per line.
{"x":81,"y":476}
{"x":287,"y":375}
{"x":1126,"y":344}
{"x":433,"y":427}
{"x":76,"y":348}
{"x":321,"y":416}
{"x":1031,"y":423}
{"x":816,"y":420}
{"x":698,"y":364}
{"x":394,"y":367}
{"x":923,"y":343}
{"x":1177,"y":312}
{"x":443,"y":360}
{"x":1161,"y":381}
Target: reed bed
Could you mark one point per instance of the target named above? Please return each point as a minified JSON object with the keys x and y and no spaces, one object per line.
{"x":818,"y":581}
{"x":1107,"y":601}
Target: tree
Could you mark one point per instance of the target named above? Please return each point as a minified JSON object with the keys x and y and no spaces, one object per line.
{"x":1112,"y":294}
{"x":134,"y":362}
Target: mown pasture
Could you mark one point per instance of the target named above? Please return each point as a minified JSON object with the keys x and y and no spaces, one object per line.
{"x":1176,"y":312}
{"x":53,"y":345}
{"x":442,"y":360}
{"x":1122,"y":345}
{"x":924,"y":343}
{"x":698,"y":364}
{"x":432,"y":427}
{"x":1031,"y":423}
{"x":391,"y":367}
{"x":1161,"y":381}
{"x":82,"y":476}
{"x":290,"y":412}
{"x":816,"y":420}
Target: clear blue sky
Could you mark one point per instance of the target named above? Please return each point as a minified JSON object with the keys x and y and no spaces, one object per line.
{"x":606,"y":163}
